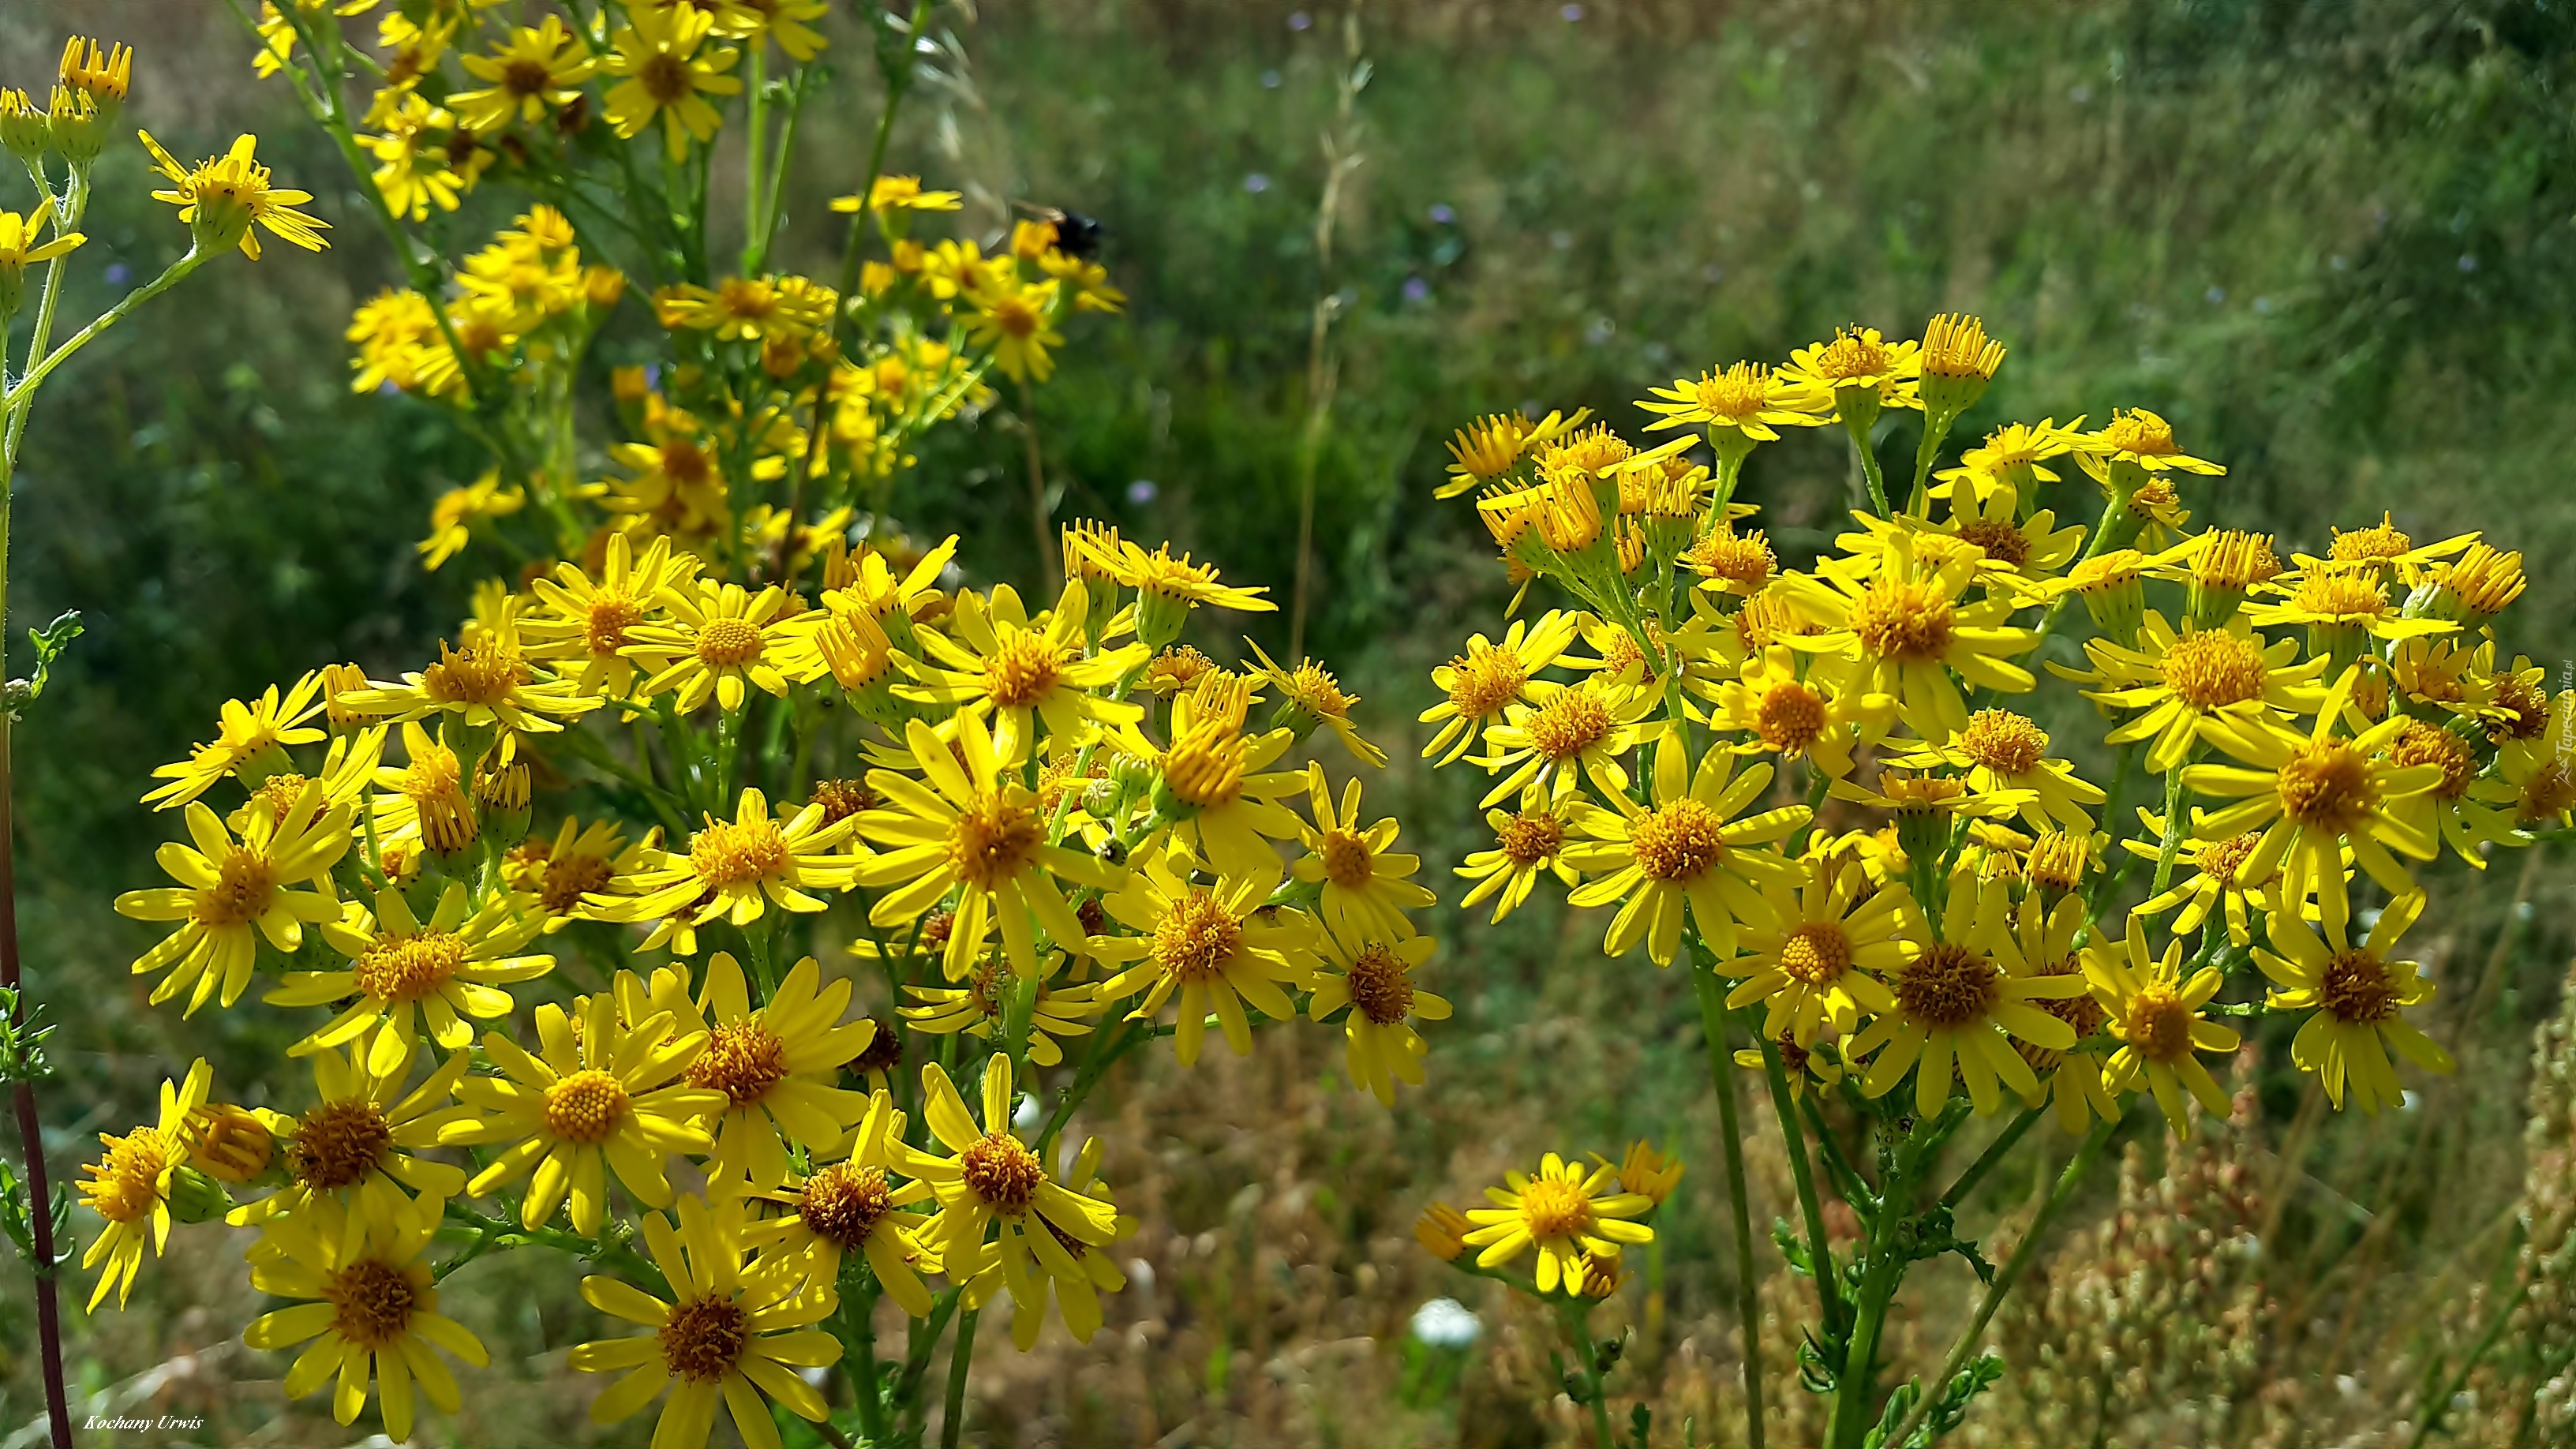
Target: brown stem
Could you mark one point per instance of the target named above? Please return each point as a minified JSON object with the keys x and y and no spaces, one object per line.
{"x":31,"y":1139}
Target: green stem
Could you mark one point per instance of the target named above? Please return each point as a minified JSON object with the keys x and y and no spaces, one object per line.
{"x":1987,"y":1160}
{"x":2173,"y":828}
{"x":754,"y":162}
{"x":1570,"y":1316}
{"x":23,"y":395}
{"x":897,"y":83}
{"x":1712,"y":1016}
{"x":859,"y":1362}
{"x":1869,"y":464}
{"x":75,"y":202}
{"x":1820,"y":1252}
{"x":1936,"y":430}
{"x":960,"y":1358}
{"x":1856,"y":1385}
{"x":2005,"y":1279}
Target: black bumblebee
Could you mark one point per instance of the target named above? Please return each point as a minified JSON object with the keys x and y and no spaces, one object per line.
{"x":1076,"y":235}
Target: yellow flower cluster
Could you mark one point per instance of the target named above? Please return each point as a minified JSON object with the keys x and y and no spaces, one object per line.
{"x":1060,"y":832}
{"x":1817,"y":780}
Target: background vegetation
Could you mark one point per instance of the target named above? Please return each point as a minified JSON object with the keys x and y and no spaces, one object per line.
{"x":2331,"y":241}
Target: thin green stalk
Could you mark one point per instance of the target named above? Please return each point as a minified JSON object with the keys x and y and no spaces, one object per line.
{"x":23,"y":395}
{"x":1856,"y":1387}
{"x":1588,"y":1365}
{"x":755,"y":133}
{"x":1712,"y":1016}
{"x":1994,"y":1154}
{"x":1869,"y":468}
{"x":960,"y":1358}
{"x":2173,"y":828}
{"x":859,"y":1362}
{"x":75,"y":200}
{"x":2005,"y":1278}
{"x":1820,"y":1250}
{"x":897,"y":83}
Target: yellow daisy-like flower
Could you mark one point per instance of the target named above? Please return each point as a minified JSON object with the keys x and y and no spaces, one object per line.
{"x":1168,"y":588}
{"x":2314,"y":798}
{"x":1366,"y":887}
{"x":1905,"y":632}
{"x":355,"y":1146}
{"x":1482,"y":682}
{"x":1311,"y":696}
{"x":1572,"y":734}
{"x":898,"y":193}
{"x":372,"y":1302}
{"x":1209,"y":947}
{"x":732,"y":866}
{"x":223,"y":196}
{"x":130,"y":1186}
{"x":1817,"y":958}
{"x":719,"y":635}
{"x":412,"y":170}
{"x":1374,"y":978}
{"x":2013,"y":459}
{"x":734,"y":1336}
{"x":1017,"y":671}
{"x":20,"y":249}
{"x":1214,"y":787}
{"x":1017,"y":322}
{"x":598,"y":1094}
{"x":996,"y":1198}
{"x":2355,"y":996}
{"x":854,"y":1206}
{"x":254,"y":734}
{"x":453,"y":517}
{"x":529,"y":76}
{"x":2033,"y":547}
{"x":749,"y":309}
{"x":1569,"y":1212}
{"x":1687,"y":853}
{"x":1794,"y":713}
{"x":2325,"y":595}
{"x":668,"y":70}
{"x":975,"y":1008}
{"x":579,"y":862}
{"x":229,"y":889}
{"x":2185,"y":683}
{"x":974,"y":830}
{"x":2466,"y":808}
{"x":1858,"y":361}
{"x":486,"y":683}
{"x":1962,"y":1001}
{"x":1525,"y":844}
{"x":406,"y":972}
{"x":2140,"y":439}
{"x":2070,"y":1082}
{"x":579,"y":619}
{"x":2218,"y":880}
{"x":2155,"y":1013}
{"x":777,"y":1066}
{"x":2001,"y":751}
{"x":1747,"y":399}
{"x":1077,"y":1298}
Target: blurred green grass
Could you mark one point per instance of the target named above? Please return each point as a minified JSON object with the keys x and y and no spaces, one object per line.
{"x":2331,"y":241}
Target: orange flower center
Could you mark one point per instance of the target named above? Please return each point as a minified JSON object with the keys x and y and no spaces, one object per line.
{"x":726,"y":854}
{"x":2002,"y":542}
{"x":245,"y":885}
{"x":743,"y":1060}
{"x":1678,"y":842}
{"x":2356,"y":990}
{"x":843,"y":1204}
{"x":338,"y":1144}
{"x":1380,"y":989}
{"x":1531,"y":838}
{"x":1948,"y":986}
{"x":1021,"y":669}
{"x":994,"y":838}
{"x":1554,"y":1209}
{"x":605,"y":622}
{"x":1909,"y":621}
{"x":704,"y":1338}
{"x":1003,"y":1173}
{"x":2004,"y":742}
{"x":1347,"y":861}
{"x":587,"y":1106}
{"x":1817,"y":953}
{"x":2327,"y":784}
{"x":1196,"y":938}
{"x":1569,"y":724}
{"x":398,"y":967}
{"x":728,"y":643}
{"x":2213,"y":668}
{"x":2160,"y":1025}
{"x":374,"y":1302}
